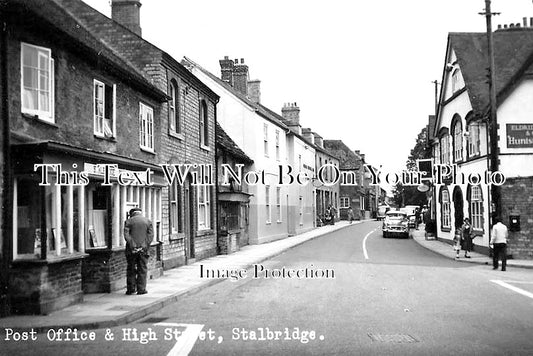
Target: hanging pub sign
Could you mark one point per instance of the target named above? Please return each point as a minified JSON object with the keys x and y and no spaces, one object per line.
{"x":519,"y":135}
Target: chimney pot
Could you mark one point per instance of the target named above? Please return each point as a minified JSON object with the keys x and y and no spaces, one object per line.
{"x":531,"y":21}
{"x":524,"y":21}
{"x":226,"y":57}
{"x":236,"y":61}
{"x":242,"y":60}
{"x":499,"y":27}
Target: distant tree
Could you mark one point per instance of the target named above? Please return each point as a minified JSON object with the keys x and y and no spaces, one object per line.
{"x":421,"y":150}
{"x":409,"y":195}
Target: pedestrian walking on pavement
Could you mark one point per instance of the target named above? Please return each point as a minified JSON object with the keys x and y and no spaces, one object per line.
{"x":457,"y":242}
{"x":350,"y":214}
{"x":498,"y":242}
{"x":138,"y":232}
{"x":466,"y":237}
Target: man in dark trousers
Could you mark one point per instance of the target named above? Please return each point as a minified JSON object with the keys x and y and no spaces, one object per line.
{"x":139,"y":233}
{"x":498,"y":242}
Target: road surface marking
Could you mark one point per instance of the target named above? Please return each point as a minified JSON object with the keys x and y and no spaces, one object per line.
{"x":365,"y":252}
{"x":187,"y":339}
{"x":513,"y":288}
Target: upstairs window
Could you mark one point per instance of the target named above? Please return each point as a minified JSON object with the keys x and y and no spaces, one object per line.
{"x":174,"y":107}
{"x":457,"y":80}
{"x":204,"y":124}
{"x":146,"y":127}
{"x":458,"y":141}
{"x":474,"y":139}
{"x":104,"y":109}
{"x":37,"y":81}
{"x":445,"y":149}
{"x":265,"y":139}
{"x":277,"y":145}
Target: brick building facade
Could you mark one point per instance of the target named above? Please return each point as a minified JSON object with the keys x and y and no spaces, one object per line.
{"x":72,"y":101}
{"x":187,"y":130}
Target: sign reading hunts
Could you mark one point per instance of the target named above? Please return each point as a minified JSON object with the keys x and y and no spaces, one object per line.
{"x":519,"y":135}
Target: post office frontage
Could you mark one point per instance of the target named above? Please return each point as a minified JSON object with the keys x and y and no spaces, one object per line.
{"x":67,"y":236}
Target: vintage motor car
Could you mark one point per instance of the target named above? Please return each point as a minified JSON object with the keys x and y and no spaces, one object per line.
{"x":396,"y":223}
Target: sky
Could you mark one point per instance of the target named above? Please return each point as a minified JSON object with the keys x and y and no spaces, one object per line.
{"x":360,"y":71}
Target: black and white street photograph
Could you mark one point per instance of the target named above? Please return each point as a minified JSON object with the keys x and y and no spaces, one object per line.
{"x":252,"y":177}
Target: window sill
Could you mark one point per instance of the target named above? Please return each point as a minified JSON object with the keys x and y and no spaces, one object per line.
{"x":175,"y":134}
{"x":279,"y":222}
{"x":204,"y":232}
{"x":147,"y":150}
{"x":102,"y":137}
{"x":176,"y":236}
{"x":39,"y":119}
{"x":51,"y":259}
{"x":268,"y":223}
{"x":205,"y":148}
{"x":445,"y":229}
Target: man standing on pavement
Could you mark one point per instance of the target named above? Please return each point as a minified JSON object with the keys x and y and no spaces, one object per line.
{"x":138,"y":232}
{"x":498,"y":243}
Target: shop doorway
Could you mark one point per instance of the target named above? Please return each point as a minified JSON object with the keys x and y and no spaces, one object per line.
{"x":189,"y":204}
{"x":458,"y":205}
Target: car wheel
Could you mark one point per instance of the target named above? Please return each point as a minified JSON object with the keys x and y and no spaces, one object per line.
{"x":385,"y":235}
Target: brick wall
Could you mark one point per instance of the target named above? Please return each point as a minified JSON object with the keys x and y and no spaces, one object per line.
{"x":74,"y":123}
{"x":104,"y":271}
{"x":41,"y":289}
{"x":517,"y":197}
{"x":186,"y":149}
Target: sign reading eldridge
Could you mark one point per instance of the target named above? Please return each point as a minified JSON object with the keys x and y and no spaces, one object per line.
{"x":519,"y":135}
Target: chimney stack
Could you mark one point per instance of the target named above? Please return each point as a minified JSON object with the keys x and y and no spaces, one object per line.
{"x":291,"y":115}
{"x":240,"y":77}
{"x":308,"y":135}
{"x":319,"y":141}
{"x":226,"y":70}
{"x":254,"y":90}
{"x":128,"y":14}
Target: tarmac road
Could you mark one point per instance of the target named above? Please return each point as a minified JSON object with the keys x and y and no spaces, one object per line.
{"x":389,"y":297}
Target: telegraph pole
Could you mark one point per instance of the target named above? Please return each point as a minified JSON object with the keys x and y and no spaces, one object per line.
{"x":493,"y":124}
{"x":436,"y":96}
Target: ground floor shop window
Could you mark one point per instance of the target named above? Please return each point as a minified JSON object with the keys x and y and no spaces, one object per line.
{"x":61,"y":225}
{"x":204,"y":207}
{"x":445,"y":209}
{"x":345,"y":202}
{"x":476,"y":207}
{"x":75,"y":218}
{"x":229,"y":216}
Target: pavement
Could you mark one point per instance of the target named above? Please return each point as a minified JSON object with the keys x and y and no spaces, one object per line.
{"x":102,"y":310}
{"x":446,"y":250}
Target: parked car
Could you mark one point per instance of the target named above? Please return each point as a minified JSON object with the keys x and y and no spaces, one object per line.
{"x":396,"y":223}
{"x":411,"y":210}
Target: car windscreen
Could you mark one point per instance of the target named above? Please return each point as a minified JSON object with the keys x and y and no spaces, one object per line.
{"x":396,"y":216}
